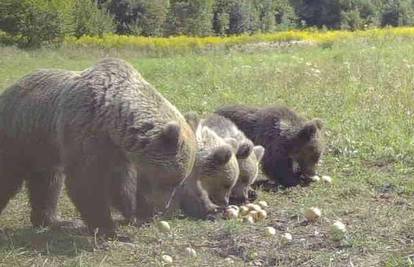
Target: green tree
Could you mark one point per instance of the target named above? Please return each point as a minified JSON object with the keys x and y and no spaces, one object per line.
{"x":267,"y":17}
{"x":89,"y":19}
{"x":351,"y":20}
{"x":319,"y":12}
{"x":125,"y":14}
{"x":35,"y":22}
{"x":191,"y":17}
{"x":357,"y":14}
{"x":243,"y":17}
{"x":397,"y":13}
{"x":285,"y":16}
{"x":239,"y":16}
{"x":140,"y":17}
{"x":221,"y":16}
{"x":153,"y":16}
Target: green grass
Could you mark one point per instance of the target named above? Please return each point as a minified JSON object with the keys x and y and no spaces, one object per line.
{"x":363,"y":90}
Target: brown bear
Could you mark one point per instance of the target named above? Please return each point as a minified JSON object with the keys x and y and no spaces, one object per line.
{"x":248,"y":156}
{"x":94,"y":127}
{"x":288,"y":139}
{"x":207,"y":190}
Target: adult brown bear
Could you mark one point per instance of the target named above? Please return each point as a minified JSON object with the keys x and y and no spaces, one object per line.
{"x":288,"y":139}
{"x":96,"y":127}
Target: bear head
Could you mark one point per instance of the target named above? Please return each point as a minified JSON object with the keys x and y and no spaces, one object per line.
{"x":164,"y":162}
{"x":215,"y":172}
{"x":216,"y":165}
{"x":307,"y":147}
{"x":248,"y":158}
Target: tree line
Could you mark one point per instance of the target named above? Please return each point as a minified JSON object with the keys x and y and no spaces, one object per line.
{"x":32,"y":22}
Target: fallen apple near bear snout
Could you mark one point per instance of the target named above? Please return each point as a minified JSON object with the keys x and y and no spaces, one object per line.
{"x":164,"y":226}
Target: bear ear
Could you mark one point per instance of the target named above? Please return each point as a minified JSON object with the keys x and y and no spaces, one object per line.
{"x":192,"y":119}
{"x":171,"y":132}
{"x":232,"y":142}
{"x":259,"y":152}
{"x":245,"y":149}
{"x":307,"y":132}
{"x":221,"y":155}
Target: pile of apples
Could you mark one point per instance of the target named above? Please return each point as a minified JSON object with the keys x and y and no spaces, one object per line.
{"x":250,"y":213}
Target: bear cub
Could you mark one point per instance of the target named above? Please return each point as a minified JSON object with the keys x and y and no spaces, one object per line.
{"x":293,"y":145}
{"x":207,"y":190}
{"x":248,"y":156}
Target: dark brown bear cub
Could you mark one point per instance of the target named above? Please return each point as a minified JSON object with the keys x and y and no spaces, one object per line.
{"x":288,"y":139}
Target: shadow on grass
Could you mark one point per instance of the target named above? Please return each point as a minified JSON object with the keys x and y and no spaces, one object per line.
{"x":264,"y":184}
{"x":267,"y":186}
{"x":46,"y":241}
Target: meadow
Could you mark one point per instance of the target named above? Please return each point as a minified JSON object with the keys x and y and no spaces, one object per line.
{"x":363,"y":90}
{"x":185,"y":44}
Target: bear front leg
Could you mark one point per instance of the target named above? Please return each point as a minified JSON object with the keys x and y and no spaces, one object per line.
{"x":124,"y":190}
{"x":88,"y":188}
{"x":281,"y":171}
{"x":44,"y":190}
{"x":252,"y":194}
{"x":11,"y":179}
{"x":288,"y":177}
{"x":144,"y":210}
{"x":195,"y":201}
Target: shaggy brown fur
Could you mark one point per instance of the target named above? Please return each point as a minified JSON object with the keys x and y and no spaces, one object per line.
{"x":248,"y":156}
{"x":93,"y":126}
{"x":215,"y":172}
{"x":287,"y":138}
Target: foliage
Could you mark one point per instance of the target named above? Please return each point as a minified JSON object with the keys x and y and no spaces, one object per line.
{"x":285,"y":16}
{"x":31,"y":23}
{"x":34,"y":22}
{"x":154,"y":17}
{"x":88,"y":19}
{"x":190,"y":17}
{"x":319,"y":12}
{"x":138,"y":16}
{"x":188,"y":43}
{"x":398,"y":13}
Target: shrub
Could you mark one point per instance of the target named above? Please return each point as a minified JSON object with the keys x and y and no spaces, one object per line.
{"x":187,"y":17}
{"x":34,"y":22}
{"x":397,"y":13}
{"x":89,"y":19}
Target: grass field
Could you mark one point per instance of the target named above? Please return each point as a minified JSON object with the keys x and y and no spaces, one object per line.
{"x":363,"y":90}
